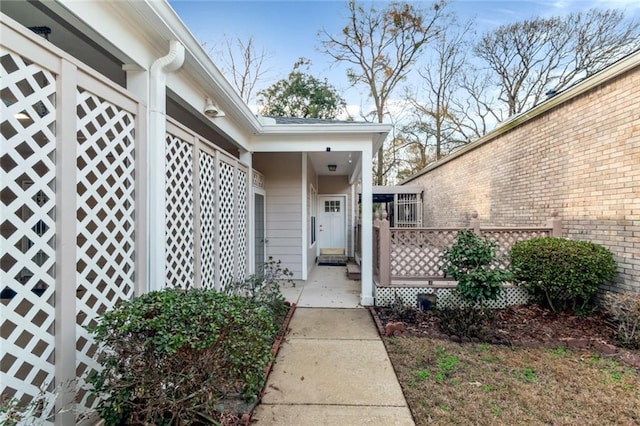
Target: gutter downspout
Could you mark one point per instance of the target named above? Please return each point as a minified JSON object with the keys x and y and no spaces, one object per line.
{"x":157,"y":161}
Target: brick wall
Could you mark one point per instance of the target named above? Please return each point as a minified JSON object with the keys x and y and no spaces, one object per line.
{"x":580,"y":158}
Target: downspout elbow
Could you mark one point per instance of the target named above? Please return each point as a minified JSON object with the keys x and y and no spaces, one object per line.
{"x":171,"y":61}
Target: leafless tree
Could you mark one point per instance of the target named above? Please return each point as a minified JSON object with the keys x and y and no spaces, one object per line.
{"x":434,"y":101}
{"x":535,"y":56}
{"x":244,"y":64}
{"x":380,"y":46}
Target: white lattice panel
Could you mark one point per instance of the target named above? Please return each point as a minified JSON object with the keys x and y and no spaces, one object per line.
{"x":241,"y":238}
{"x":208,"y":216}
{"x":226,"y":218}
{"x":179,"y":213}
{"x":28,"y":115}
{"x":105,"y":214}
{"x":446,"y":297}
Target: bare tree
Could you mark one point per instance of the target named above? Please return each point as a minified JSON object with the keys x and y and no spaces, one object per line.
{"x":244,"y":64}
{"x":535,"y":56}
{"x":436,"y":116}
{"x":381,"y":46}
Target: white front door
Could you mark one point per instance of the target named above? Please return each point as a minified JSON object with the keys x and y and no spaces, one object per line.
{"x":331,"y":225}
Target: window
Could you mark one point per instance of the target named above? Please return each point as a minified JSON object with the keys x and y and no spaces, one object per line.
{"x":332,"y":206}
{"x":312,"y":213}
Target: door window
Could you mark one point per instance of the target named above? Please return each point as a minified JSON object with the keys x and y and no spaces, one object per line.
{"x":332,"y":206}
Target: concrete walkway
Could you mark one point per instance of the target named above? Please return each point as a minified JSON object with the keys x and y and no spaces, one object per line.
{"x":326,"y":287}
{"x":333,"y":370}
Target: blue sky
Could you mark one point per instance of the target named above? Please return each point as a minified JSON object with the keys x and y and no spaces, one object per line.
{"x":287,"y":30}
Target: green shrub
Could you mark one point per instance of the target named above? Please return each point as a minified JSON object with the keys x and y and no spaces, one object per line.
{"x":169,"y":356}
{"x":625,"y":310}
{"x":563,"y":274}
{"x":469,"y":261}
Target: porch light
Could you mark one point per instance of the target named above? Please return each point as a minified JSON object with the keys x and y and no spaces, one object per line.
{"x":211,"y":110}
{"x":332,"y":167}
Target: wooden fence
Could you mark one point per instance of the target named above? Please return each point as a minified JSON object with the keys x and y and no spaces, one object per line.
{"x":415,"y":254}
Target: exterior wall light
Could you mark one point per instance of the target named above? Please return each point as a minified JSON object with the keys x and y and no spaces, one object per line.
{"x":211,"y":110}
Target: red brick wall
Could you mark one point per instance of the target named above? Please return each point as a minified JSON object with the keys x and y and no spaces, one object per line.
{"x":581,"y":158}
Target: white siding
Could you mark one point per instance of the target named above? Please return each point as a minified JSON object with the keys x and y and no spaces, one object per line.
{"x":283,"y":177}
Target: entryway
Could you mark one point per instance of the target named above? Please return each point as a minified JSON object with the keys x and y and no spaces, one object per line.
{"x":332,"y":241}
{"x":326,"y":287}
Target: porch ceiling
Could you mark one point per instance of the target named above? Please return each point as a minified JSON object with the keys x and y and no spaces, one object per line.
{"x":346,"y":162}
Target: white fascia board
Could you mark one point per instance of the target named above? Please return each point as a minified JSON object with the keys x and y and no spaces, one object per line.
{"x":317,"y":137}
{"x":310,"y":143}
{"x":374,"y":129}
{"x":180,"y":83}
{"x":397,"y":189}
{"x":200,"y":64}
{"x":139,"y":32}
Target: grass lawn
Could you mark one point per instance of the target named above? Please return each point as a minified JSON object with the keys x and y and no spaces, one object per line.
{"x":447,"y":383}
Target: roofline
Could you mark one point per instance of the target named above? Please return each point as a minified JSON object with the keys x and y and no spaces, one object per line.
{"x":209,"y":71}
{"x":618,"y":68}
{"x":206,"y":68}
{"x":377,"y":131}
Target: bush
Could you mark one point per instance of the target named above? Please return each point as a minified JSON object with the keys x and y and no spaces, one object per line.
{"x":170,"y":356}
{"x":469,"y":261}
{"x":564,"y":274}
{"x":465,"y":322}
{"x":625,"y":310}
{"x":264,"y":289}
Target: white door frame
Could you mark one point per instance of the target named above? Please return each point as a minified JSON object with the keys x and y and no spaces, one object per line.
{"x":263,"y":193}
{"x":320,"y":210}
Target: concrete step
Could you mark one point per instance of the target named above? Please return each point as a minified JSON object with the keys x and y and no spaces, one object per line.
{"x":353,"y":271}
{"x":332,"y":259}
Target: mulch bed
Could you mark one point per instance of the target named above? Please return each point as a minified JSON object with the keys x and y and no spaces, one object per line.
{"x":522,"y":325}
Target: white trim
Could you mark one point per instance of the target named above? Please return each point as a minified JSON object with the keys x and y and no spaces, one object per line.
{"x":366,"y":262}
{"x":257,"y":191}
{"x":313,"y":212}
{"x":344,"y":213}
{"x":354,"y":220}
{"x":304,"y":217}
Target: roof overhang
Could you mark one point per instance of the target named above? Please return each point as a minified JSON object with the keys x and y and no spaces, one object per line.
{"x":143,"y":32}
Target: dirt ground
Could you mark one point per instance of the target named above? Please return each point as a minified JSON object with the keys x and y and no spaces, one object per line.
{"x":531,"y":367}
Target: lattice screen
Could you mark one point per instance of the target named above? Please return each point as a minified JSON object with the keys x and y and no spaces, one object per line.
{"x":28,"y":114}
{"x":446,"y":297}
{"x":179,"y":213}
{"x":226,"y":221}
{"x":418,"y":253}
{"x":105,"y":213}
{"x":506,"y":238}
{"x":208,"y":203}
{"x":241,"y":238}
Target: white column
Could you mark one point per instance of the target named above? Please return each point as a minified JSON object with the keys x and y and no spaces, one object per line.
{"x":304,"y":217}
{"x":366,"y":263}
{"x":138,"y":83}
